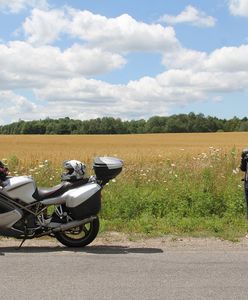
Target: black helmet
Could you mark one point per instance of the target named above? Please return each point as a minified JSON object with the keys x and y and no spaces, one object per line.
{"x":3,"y":172}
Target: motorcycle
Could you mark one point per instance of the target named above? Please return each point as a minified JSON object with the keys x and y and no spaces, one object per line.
{"x":67,"y":212}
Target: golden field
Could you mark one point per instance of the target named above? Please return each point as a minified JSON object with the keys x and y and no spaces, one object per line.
{"x":147,"y":148}
{"x":137,"y":151}
{"x":24,"y":153}
{"x":171,"y":183}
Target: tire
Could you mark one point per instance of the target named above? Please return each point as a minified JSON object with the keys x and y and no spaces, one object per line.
{"x":80,"y":236}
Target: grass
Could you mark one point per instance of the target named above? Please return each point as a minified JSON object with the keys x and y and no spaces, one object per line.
{"x":181,"y":184}
{"x":193,"y":197}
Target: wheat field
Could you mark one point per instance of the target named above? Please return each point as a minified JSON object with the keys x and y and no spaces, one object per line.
{"x":171,"y":183}
{"x":131,"y":148}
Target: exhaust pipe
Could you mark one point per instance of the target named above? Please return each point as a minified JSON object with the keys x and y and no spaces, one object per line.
{"x":72,"y":224}
{"x":67,"y":226}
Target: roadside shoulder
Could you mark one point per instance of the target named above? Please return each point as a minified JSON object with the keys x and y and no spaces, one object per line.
{"x":112,"y":239}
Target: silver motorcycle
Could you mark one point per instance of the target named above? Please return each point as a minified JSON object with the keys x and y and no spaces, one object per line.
{"x":67,"y":212}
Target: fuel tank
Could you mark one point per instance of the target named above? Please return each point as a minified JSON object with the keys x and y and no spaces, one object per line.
{"x":20,"y":187}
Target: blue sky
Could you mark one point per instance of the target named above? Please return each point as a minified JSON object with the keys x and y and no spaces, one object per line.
{"x":127,"y":59}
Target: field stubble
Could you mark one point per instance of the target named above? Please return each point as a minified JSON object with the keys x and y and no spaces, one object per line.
{"x":182,"y":184}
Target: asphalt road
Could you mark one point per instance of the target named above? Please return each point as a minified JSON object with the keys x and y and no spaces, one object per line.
{"x":118,"y":272}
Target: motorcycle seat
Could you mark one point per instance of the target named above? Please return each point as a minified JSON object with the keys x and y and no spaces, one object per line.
{"x":44,"y":193}
{"x":56,"y":191}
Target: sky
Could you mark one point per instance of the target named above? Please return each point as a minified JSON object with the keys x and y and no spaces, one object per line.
{"x":123,"y":59}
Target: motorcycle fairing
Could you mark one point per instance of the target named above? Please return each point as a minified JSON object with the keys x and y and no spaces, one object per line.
{"x":9,"y":214}
{"x":24,"y":189}
{"x":20,"y":187}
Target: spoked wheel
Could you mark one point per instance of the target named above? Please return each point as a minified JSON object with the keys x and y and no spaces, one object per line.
{"x":79,"y":236}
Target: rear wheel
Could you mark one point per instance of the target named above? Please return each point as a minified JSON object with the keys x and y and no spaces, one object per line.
{"x":79,"y":236}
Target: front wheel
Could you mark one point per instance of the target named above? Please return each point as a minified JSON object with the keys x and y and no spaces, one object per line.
{"x":79,"y":236}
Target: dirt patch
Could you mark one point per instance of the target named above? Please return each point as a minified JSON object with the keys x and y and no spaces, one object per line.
{"x":120,"y":239}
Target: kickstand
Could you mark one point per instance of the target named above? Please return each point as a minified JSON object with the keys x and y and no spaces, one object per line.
{"x":18,"y":248}
{"x":24,"y":239}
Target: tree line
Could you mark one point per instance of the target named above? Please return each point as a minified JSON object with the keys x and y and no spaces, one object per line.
{"x":107,"y":125}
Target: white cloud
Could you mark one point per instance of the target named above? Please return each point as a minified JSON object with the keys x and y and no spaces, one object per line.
{"x":15,"y":106}
{"x":238,"y":7}
{"x":182,"y":58}
{"x":190,"y":15}
{"x":149,"y":96}
{"x":121,"y":34}
{"x":97,"y":98}
{"x":25,"y":66}
{"x":229,"y":59}
{"x":79,"y":97}
{"x":226,"y":59}
{"x":91,"y":61}
{"x":15,"y":6}
{"x":44,"y":27}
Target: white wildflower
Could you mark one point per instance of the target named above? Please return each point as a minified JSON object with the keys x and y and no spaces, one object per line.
{"x":236,"y":171}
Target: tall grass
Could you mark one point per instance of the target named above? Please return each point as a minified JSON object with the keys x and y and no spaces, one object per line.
{"x":200,"y":195}
{"x":191,"y":187}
